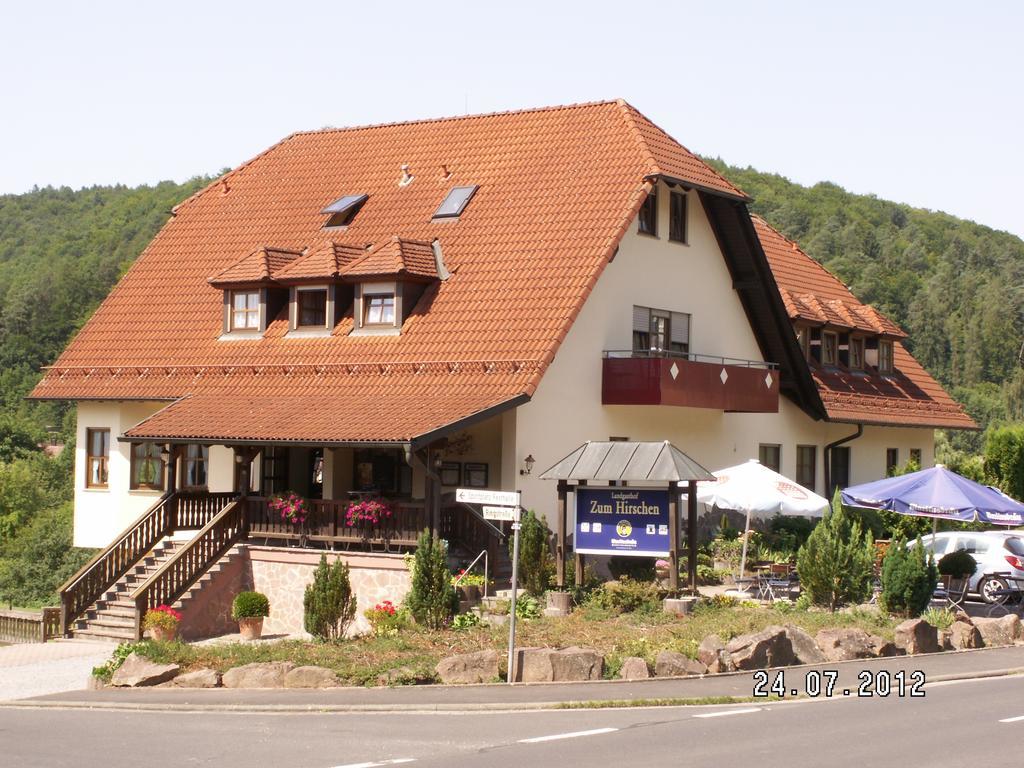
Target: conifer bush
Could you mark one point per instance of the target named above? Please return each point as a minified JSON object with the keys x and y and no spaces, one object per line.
{"x":536,"y":565}
{"x":329,"y":603}
{"x":432,"y":597}
{"x":909,"y":576}
{"x":836,"y":562}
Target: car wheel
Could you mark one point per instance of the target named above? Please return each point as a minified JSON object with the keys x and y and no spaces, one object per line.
{"x":989,"y":586}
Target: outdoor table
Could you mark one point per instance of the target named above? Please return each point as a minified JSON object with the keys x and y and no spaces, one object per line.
{"x":1015,"y":588}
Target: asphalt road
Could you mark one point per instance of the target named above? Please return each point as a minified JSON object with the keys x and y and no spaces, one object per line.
{"x":958,"y":720}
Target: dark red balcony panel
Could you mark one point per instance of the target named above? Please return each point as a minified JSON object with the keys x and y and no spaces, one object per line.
{"x":704,"y":382}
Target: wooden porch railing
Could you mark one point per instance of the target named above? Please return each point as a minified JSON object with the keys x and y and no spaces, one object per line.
{"x":190,"y":562}
{"x":170,"y":513}
{"x":29,"y":627}
{"x":462,"y":524}
{"x":325,"y":523}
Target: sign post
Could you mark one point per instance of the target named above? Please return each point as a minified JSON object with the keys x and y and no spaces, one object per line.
{"x":515,"y":586}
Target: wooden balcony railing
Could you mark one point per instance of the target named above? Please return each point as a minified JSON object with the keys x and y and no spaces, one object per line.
{"x":190,"y":562}
{"x":325,"y":523}
{"x":30,"y":627}
{"x":196,"y":509}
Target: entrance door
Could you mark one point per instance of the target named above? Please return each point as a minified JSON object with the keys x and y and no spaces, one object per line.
{"x":839,"y":469}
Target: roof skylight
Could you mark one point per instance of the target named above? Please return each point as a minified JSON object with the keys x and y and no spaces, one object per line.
{"x":344,"y":209}
{"x":455,"y":202}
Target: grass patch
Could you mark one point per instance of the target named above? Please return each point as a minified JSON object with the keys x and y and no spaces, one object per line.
{"x":670,"y":702}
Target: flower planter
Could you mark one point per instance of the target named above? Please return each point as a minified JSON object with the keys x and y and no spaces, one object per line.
{"x":163,"y":634}
{"x":469,"y":592}
{"x":252,"y":628}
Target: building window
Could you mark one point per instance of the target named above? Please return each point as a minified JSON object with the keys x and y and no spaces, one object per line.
{"x":97,"y":442}
{"x":475,"y":475}
{"x":147,"y":467}
{"x":892,"y":461}
{"x":677,"y":217}
{"x":312,"y":308}
{"x":807,"y":465}
{"x":839,"y":469}
{"x":885,"y":356}
{"x":770,"y":456}
{"x":659,"y":330}
{"x":379,"y":309}
{"x":195,"y":461}
{"x":245,"y":310}
{"x":915,"y":457}
{"x":803,"y":338}
{"x":648,"y":218}
{"x":829,"y":348}
{"x":857,"y":354}
{"x":275,"y":470}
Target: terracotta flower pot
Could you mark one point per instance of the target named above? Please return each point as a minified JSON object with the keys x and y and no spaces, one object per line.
{"x":470,"y":592}
{"x":251,"y":628}
{"x":163,"y":634}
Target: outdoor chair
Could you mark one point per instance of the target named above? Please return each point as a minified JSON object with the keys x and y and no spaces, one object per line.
{"x":1014,"y":593}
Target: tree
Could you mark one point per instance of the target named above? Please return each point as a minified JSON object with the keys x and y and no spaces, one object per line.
{"x":329,"y":604}
{"x":1004,"y":459}
{"x":432,"y":597}
{"x":908,"y":578}
{"x":836,"y":563}
{"x":535,"y":561}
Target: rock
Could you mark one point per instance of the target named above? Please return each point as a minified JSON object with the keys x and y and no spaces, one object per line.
{"x":844,"y":644}
{"x":805,"y":650}
{"x":682,"y":606}
{"x":1002,"y":631}
{"x":310,"y":677}
{"x":917,"y":636}
{"x":94,"y":684}
{"x":712,"y":654}
{"x":770,"y":647}
{"x":479,"y":667}
{"x":200,"y":678}
{"x":575,"y":664}
{"x":138,"y":671}
{"x":945,"y":638}
{"x":885,"y":648}
{"x":268,"y":674}
{"x":964,"y":635}
{"x":533,"y":665}
{"x":634,"y":668}
{"x":673,"y":664}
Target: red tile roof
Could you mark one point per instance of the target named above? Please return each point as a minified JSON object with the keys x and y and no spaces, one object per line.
{"x":910,"y":397}
{"x":396,"y":257}
{"x":323,"y":261}
{"x":557,"y":189}
{"x":259,"y":266}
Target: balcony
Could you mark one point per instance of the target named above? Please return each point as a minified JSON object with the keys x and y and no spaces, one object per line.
{"x":685,"y":379}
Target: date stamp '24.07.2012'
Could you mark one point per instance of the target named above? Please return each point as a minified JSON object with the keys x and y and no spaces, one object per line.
{"x":823,"y":683}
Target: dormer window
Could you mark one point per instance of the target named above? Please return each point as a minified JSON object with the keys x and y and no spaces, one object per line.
{"x":885,"y":363}
{"x":455,"y":202}
{"x":829,"y":348}
{"x":857,"y":354}
{"x":379,"y":309}
{"x":245,"y":311}
{"x":312,"y":308}
{"x":343,"y":210}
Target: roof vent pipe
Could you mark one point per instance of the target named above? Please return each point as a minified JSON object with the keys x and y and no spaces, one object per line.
{"x":407,"y":176}
{"x":442,"y":270}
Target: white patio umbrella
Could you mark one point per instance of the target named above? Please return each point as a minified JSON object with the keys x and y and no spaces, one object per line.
{"x":759,"y":492}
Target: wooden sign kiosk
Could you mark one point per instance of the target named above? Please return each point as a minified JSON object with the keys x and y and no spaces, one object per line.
{"x":620,"y":464}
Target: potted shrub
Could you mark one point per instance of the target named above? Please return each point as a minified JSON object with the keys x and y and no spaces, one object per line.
{"x":469,"y":584}
{"x":249,"y":610}
{"x":162,"y":623}
{"x":367,"y":514}
{"x":955,"y":569}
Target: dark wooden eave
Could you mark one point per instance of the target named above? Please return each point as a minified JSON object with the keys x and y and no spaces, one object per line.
{"x":762,"y":301}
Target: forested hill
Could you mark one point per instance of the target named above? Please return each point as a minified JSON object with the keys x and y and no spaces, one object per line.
{"x":61,"y":251}
{"x":955,"y":286}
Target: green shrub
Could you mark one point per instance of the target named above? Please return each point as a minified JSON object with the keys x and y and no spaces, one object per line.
{"x":527,"y":607}
{"x":329,"y":604}
{"x":957,"y":565}
{"x":250,"y":605}
{"x":728,"y":551}
{"x":466,"y":620}
{"x":535,"y":561}
{"x":122,"y":652}
{"x":627,"y":596}
{"x":635,"y":568}
{"x":908,"y":579}
{"x":836,"y":563}
{"x":940,"y":618}
{"x":432,"y":598}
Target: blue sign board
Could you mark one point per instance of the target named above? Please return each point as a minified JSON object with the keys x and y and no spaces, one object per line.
{"x":622,"y":521}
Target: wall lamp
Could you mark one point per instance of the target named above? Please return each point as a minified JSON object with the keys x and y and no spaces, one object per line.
{"x":528,"y":463}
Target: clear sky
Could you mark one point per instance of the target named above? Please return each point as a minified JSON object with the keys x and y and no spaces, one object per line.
{"x":919,"y":102}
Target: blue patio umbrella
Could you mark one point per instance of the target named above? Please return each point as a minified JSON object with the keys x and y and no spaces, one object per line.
{"x":937,"y":493}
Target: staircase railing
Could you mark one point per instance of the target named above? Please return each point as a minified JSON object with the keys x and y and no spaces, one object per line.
{"x":110,"y":564}
{"x":189,"y":563}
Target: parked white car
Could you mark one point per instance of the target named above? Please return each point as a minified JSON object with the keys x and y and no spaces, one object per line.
{"x":996,"y":552}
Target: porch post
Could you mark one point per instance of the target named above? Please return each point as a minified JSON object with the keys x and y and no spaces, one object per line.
{"x":172,"y":469}
{"x":560,"y":541}
{"x":579,"y":560}
{"x":691,"y":535}
{"x":673,"y":540}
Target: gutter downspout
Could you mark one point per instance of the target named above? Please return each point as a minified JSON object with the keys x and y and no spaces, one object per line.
{"x":422,"y":458}
{"x":828,"y":455}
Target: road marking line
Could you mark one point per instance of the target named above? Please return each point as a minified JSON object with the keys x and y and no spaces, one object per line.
{"x":725,"y":712}
{"x":572,"y":735}
{"x":1012,"y":719}
{"x":396,"y":761}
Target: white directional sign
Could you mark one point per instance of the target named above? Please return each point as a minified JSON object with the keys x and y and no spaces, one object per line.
{"x":482,"y":496}
{"x":501,"y":513}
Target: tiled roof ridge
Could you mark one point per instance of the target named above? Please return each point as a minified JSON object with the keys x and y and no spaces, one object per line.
{"x":626,"y":110}
{"x":415,"y":366}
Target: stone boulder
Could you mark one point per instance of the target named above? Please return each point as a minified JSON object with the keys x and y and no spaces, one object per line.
{"x":843,"y":644}
{"x":917,"y":636}
{"x":269,"y":674}
{"x":885,"y":647}
{"x":463,"y":668}
{"x":1005,"y":630}
{"x":964,"y":635}
{"x":406,"y":675}
{"x":634,"y":668}
{"x":712,"y":654}
{"x":673,"y":664}
{"x":311,"y":677}
{"x":200,"y":678}
{"x":138,"y":671}
{"x":770,"y":647}
{"x":545,"y":665}
{"x":805,"y":650}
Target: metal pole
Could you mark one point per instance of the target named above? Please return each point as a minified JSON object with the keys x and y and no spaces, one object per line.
{"x":515,"y":585}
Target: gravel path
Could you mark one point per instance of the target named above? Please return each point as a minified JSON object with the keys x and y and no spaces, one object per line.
{"x":38,"y":669}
